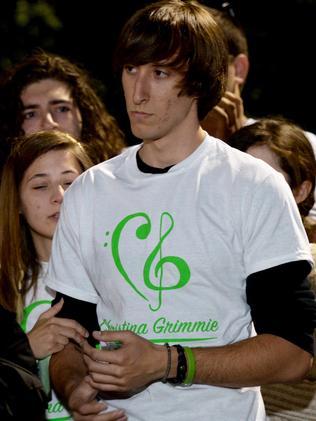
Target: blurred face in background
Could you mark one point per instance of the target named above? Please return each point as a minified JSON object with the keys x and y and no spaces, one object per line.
{"x":48,"y":105}
{"x":264,"y":153}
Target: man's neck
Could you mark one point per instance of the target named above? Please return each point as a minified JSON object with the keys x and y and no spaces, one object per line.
{"x":143,"y":167}
{"x":164,"y":153}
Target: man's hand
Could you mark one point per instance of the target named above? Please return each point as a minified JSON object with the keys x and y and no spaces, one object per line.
{"x":227,"y":116}
{"x":133,"y":366}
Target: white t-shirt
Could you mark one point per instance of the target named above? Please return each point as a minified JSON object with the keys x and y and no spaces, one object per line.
{"x":312,"y":140}
{"x":167,"y":256}
{"x":36,"y":302}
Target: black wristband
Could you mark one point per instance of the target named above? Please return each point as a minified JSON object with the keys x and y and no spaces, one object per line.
{"x":181,"y":367}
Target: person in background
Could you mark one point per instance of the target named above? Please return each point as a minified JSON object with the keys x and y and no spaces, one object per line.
{"x":20,"y":387}
{"x":284,"y":146}
{"x":39,"y":170}
{"x":45,"y":91}
{"x":176,"y":244}
{"x":229,"y":115}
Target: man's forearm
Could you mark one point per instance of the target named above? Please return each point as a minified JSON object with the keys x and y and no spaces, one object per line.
{"x":256,"y":361}
{"x":67,"y":369}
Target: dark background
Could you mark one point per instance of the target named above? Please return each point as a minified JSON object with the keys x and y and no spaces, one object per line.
{"x":281,"y":36}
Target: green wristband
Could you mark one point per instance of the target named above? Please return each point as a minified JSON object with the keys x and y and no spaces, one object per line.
{"x":191,"y":366}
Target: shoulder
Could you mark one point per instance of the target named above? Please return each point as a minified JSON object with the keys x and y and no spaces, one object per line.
{"x":243,"y":179}
{"x":105,"y":170}
{"x":242,"y":166}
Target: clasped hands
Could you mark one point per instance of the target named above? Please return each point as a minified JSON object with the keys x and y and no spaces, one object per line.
{"x":124,"y":371}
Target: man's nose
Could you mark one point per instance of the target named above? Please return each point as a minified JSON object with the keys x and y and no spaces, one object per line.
{"x":48,"y":122}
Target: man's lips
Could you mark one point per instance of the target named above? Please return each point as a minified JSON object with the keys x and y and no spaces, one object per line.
{"x":54,"y":216}
{"x":140,"y":115}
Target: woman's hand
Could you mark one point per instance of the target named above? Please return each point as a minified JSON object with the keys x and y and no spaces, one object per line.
{"x":50,"y":334}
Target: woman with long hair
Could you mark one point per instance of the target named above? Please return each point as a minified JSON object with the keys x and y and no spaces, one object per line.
{"x":39,"y":170}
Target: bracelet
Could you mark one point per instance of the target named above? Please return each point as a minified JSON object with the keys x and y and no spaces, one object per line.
{"x":191,"y":366}
{"x":165,"y":377}
{"x":181,"y":368}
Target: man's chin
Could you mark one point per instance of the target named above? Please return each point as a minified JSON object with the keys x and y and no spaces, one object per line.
{"x":138,"y":132}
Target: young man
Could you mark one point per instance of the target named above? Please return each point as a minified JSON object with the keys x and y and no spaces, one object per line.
{"x":180,"y":240}
{"x":229,"y":114}
{"x":45,"y":91}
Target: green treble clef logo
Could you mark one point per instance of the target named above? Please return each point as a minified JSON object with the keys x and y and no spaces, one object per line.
{"x":181,"y":265}
{"x":142,"y":233}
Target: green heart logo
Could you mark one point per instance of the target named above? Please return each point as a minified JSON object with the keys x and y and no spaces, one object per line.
{"x":142,"y":233}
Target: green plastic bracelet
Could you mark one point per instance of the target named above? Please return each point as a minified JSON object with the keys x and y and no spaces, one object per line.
{"x":191,"y":366}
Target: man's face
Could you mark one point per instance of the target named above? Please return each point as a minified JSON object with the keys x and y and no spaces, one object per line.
{"x":153,"y":103}
{"x":48,"y":105}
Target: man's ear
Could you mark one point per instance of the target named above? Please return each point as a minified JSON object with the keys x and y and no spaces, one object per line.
{"x":241,"y":64}
{"x":302,"y":191}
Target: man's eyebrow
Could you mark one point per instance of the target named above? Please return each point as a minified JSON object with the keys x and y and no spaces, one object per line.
{"x":163,"y":63}
{"x":52,"y":102}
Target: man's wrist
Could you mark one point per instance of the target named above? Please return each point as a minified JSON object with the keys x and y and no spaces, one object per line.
{"x":185,"y":367}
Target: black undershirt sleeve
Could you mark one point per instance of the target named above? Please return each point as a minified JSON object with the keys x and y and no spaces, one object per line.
{"x":280,"y":300}
{"x":83,"y":312}
{"x":283,"y":304}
